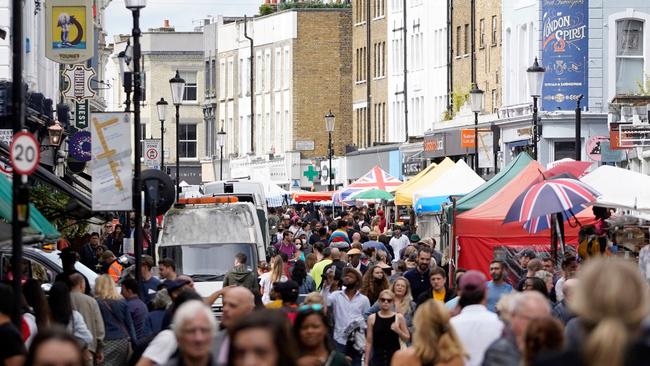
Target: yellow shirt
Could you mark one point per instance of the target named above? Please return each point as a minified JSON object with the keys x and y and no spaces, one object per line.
{"x":440,"y":295}
{"x":276,"y":304}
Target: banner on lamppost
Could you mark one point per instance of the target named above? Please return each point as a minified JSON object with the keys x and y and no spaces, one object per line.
{"x":69,"y":33}
{"x":565,"y":53}
{"x":111,"y":166}
{"x":152,"y":153}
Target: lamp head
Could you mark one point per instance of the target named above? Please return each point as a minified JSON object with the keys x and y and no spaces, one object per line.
{"x":178,"y":88}
{"x":161,"y":106}
{"x":330,"y":120}
{"x":535,"y":75}
{"x":476,"y":99}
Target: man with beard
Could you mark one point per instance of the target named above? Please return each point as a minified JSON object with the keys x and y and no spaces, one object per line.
{"x":419,"y":276}
{"x":347,"y":305}
{"x":498,"y":286}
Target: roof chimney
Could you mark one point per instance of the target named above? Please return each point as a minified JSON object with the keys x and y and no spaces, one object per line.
{"x":166,"y":23}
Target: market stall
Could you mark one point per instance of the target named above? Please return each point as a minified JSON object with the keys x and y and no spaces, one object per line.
{"x":376,"y":178}
{"x":404,"y":193}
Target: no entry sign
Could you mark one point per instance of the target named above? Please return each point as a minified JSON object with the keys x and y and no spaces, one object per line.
{"x":25,"y":153}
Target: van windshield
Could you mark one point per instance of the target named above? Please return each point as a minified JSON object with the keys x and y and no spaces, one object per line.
{"x":209,"y":225}
{"x":207,"y":262}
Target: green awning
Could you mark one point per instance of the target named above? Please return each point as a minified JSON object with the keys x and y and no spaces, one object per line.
{"x":37,"y":222}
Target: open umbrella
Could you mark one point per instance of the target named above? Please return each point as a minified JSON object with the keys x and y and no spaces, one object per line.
{"x":562,"y":197}
{"x":575,"y":168}
{"x":373,"y":194}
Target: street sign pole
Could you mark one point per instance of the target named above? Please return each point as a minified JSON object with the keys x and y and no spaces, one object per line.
{"x":20,"y":191}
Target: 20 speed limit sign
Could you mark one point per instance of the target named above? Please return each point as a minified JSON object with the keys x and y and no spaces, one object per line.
{"x":25,"y":153}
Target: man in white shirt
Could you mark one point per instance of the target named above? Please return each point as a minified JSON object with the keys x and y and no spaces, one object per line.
{"x":476,"y":326}
{"x":347,"y":305}
{"x":398,"y":242}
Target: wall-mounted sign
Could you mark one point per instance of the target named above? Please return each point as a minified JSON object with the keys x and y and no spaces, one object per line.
{"x":434,"y":143}
{"x":565,"y":53}
{"x":593,"y":147}
{"x":634,"y":135}
{"x":305,"y":145}
{"x":81,"y":114}
{"x":69,"y":33}
{"x":152,"y":153}
{"x":78,"y":82}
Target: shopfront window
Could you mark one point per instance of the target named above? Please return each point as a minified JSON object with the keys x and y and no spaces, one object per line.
{"x":564,"y":149}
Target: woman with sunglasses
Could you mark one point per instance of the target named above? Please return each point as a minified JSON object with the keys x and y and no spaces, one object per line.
{"x":385,"y":330}
{"x":402,"y":303}
{"x":311,"y":329}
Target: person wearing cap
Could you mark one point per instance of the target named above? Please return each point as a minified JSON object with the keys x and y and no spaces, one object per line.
{"x":288,"y":292}
{"x":398,"y":242}
{"x":354,"y":260}
{"x":347,"y":306}
{"x":476,"y":326}
{"x":524,"y":257}
{"x":111,"y":266}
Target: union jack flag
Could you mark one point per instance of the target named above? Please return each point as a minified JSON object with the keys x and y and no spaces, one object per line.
{"x":376,"y":178}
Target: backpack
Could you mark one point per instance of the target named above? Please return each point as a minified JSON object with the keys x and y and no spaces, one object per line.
{"x":591,"y":244}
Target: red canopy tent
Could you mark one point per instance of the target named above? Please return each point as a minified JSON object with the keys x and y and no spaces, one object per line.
{"x":481,"y":230}
{"x":300,"y":197}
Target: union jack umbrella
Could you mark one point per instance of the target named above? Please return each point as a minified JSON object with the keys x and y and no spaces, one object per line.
{"x":563,"y":196}
{"x":376,"y":178}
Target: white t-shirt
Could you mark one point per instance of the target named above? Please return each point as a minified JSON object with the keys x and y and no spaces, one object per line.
{"x":162,"y":347}
{"x":266,"y":285}
{"x":398,"y":244}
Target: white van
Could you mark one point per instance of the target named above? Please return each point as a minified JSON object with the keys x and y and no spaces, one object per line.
{"x":203,"y":237}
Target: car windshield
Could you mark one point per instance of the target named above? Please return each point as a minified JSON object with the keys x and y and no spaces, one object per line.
{"x":206,"y":262}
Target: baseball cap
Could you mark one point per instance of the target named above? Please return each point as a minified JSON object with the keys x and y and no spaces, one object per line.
{"x":365,"y":230}
{"x":289,"y":286}
{"x":528,"y":253}
{"x":472,"y":281}
{"x":175,"y":284}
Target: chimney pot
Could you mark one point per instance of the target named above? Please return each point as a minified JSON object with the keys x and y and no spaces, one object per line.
{"x":166,"y":23}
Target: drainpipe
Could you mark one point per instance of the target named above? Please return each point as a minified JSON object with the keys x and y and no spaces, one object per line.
{"x":252,"y":85}
{"x":406,"y":104}
{"x":368,"y":78}
{"x":450,"y":55}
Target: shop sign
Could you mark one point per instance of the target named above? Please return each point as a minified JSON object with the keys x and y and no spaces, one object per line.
{"x":305,"y":145}
{"x":634,"y":135}
{"x":565,"y":53}
{"x":69,"y":34}
{"x":81,"y":114}
{"x":434,"y":143}
{"x":467,"y":138}
{"x":78,"y":82}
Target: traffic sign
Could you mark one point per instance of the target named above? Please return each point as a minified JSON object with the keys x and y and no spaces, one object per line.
{"x":152,"y":153}
{"x":24,"y":153}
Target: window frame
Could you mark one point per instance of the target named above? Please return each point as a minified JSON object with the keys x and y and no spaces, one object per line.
{"x":182,"y":139}
{"x":495,"y":31}
{"x":189,"y":86}
{"x":481,"y":33}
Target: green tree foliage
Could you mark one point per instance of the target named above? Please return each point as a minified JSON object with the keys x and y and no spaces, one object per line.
{"x":52,"y":204}
{"x":266,"y":9}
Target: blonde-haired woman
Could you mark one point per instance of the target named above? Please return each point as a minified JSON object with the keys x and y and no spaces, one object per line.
{"x":120,"y":332}
{"x":385,"y":331}
{"x":269,"y":278}
{"x":608,"y":328}
{"x":435,"y":342}
{"x":403,"y":302}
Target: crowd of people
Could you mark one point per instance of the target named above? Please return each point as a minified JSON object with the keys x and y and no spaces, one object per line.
{"x":343,"y":290}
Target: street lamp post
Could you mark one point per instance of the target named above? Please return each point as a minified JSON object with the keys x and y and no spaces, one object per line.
{"x":135,"y":6}
{"x":476,"y":103}
{"x":330,"y":119}
{"x":221,"y":142}
{"x":178,"y":88}
{"x":161,"y":106}
{"x":535,"y":78}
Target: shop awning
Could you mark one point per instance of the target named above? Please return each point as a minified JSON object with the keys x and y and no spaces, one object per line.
{"x":457,"y":181}
{"x":404,"y":193}
{"x":301,"y":197}
{"x":37,"y":222}
{"x":376,"y":178}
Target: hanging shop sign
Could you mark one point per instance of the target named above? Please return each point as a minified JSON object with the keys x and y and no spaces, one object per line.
{"x":81,"y":114}
{"x":78,"y":83}
{"x":565,"y":53}
{"x":79,"y":146}
{"x":69,"y":35}
{"x":634,"y":135}
{"x":111,"y":166}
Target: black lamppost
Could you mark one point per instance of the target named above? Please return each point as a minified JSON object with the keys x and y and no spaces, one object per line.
{"x":126,"y":71}
{"x":221,"y":142}
{"x":161,"y":106}
{"x":476,"y":104}
{"x":135,"y":6}
{"x":535,"y":81}
{"x":330,"y":119}
{"x":178,"y":88}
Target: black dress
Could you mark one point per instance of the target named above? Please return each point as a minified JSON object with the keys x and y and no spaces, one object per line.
{"x":385,"y":341}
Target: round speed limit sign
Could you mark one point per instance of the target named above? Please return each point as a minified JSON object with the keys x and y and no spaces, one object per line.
{"x":25,"y":153}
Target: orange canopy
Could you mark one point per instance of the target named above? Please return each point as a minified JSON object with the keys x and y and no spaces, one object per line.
{"x":312,"y":196}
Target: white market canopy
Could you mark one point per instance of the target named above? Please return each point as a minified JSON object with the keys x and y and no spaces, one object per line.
{"x":620,"y":188}
{"x":457,"y":181}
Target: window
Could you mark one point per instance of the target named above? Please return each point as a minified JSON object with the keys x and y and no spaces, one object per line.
{"x":277,"y":62}
{"x":458,"y":41}
{"x":564,"y":149}
{"x":494,"y":30}
{"x":187,"y":141}
{"x":287,"y":68}
{"x":207,"y":78}
{"x":466,"y":40}
{"x":481,"y":29}
{"x":379,"y":55}
{"x":495,"y":104}
{"x":230,"y":72}
{"x":379,"y":9}
{"x":190,"y":94}
{"x":629,"y":56}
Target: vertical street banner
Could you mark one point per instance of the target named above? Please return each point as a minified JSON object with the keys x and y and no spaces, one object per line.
{"x":152,"y":153}
{"x":565,"y":53}
{"x":81,"y":114}
{"x":111,"y":166}
{"x":69,"y":31}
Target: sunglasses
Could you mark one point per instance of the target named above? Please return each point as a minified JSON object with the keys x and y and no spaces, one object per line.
{"x":386,"y":300}
{"x":307,"y":307}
